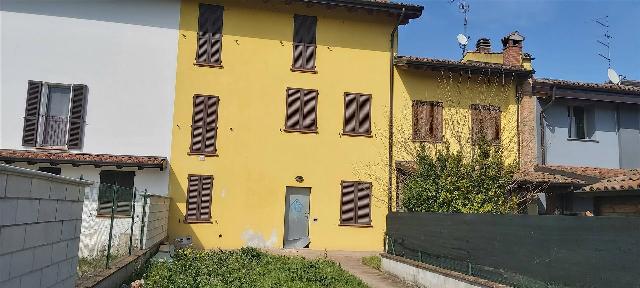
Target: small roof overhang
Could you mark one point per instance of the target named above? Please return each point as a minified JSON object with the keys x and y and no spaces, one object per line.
{"x":586,"y":91}
{"x":390,"y":8}
{"x":55,"y":158}
{"x":467,"y":67}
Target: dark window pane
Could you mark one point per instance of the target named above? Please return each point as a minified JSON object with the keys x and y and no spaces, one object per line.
{"x":51,"y":170}
{"x":119,"y":183}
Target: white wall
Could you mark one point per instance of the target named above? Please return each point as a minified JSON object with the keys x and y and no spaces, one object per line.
{"x":155,"y":181}
{"x":125,"y":51}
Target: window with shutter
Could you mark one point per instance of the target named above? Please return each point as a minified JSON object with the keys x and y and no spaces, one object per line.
{"x":302,"y":105}
{"x":485,"y":123}
{"x":357,"y":114}
{"x":427,"y":121}
{"x":32,"y":114}
{"x":209,"y":50}
{"x":55,"y":115}
{"x":204,"y":126}
{"x":118,"y":185}
{"x":199,"y":198}
{"x":304,"y":42}
{"x":355,"y":204}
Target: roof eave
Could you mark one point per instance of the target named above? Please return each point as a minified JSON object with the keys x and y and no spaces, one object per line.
{"x":77,"y":163}
{"x":408,"y":11}
{"x":473,"y":69}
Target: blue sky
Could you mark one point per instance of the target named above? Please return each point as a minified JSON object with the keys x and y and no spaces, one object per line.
{"x":559,"y":33}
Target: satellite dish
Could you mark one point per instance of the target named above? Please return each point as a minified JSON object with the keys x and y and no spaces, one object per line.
{"x":462,"y":39}
{"x":613,"y":76}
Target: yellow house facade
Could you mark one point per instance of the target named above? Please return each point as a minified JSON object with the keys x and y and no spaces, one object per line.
{"x":442,"y":102}
{"x":289,"y":118}
{"x":281,"y":121}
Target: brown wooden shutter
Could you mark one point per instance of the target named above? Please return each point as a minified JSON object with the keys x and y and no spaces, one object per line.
{"x":77,"y":116}
{"x":304,"y":42}
{"x":495,"y":125}
{"x":210,"y":34}
{"x":310,"y":57}
{"x":211,"y":125}
{"x":427,"y":121}
{"x":485,"y":123}
{"x":294,"y":109}
{"x":355,"y":205}
{"x":363,"y":209}
{"x":364,"y":114}
{"x":420,"y":120}
{"x":348,"y":203}
{"x":193,"y":193}
{"x":199,"y":198}
{"x":437,"y":122}
{"x":204,"y":126}
{"x":309,"y":111}
{"x":32,"y":114}
{"x":204,"y":211}
{"x":350,"y":113}
{"x":476,"y":123}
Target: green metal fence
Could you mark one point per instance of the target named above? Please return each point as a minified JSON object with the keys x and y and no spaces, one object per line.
{"x":522,"y":250}
{"x":113,"y":226}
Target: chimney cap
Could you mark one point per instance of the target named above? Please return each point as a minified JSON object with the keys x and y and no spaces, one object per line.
{"x":514,"y":37}
{"x":483,"y":45}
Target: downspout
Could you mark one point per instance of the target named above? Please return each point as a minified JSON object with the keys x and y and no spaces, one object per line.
{"x":542,"y":126}
{"x":391,"y":87}
{"x":518,"y":103}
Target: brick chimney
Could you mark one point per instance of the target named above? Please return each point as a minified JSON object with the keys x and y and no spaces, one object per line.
{"x":483,"y":45}
{"x":512,"y":49}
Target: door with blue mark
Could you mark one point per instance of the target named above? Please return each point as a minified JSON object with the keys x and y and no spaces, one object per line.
{"x":296,"y":221}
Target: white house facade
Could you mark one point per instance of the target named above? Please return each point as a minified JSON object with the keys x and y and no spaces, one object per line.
{"x":87,"y":89}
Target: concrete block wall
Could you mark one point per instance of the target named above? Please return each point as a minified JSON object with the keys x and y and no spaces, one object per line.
{"x":40,"y":222}
{"x":156,"y":220}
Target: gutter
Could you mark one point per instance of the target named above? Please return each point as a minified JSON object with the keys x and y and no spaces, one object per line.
{"x":543,"y":126}
{"x":391,"y":88}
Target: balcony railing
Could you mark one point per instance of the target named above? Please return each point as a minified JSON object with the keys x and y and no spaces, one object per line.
{"x":55,"y":131}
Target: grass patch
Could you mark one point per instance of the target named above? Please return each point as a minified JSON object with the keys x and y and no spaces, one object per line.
{"x":247,"y":267}
{"x":374,"y":261}
{"x":89,"y":266}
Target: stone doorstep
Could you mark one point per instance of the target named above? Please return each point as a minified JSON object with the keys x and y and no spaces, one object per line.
{"x":444,"y":272}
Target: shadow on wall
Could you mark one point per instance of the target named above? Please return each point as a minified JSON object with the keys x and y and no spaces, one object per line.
{"x":176,"y":225}
{"x":602,"y":115}
{"x":279,"y":19}
{"x":151,"y":13}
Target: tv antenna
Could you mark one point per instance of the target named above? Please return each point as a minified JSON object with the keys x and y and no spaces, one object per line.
{"x":613,"y":76}
{"x":604,"y":22}
{"x":463,"y":38}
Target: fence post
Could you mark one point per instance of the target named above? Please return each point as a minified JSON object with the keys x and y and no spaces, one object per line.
{"x":144,"y":215}
{"x":133,"y":217}
{"x":113,"y":211}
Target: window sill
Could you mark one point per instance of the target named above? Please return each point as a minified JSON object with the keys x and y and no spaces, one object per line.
{"x":208,"y":65}
{"x":54,"y":148}
{"x":114,"y":216}
{"x":356,"y":225}
{"x":356,"y":135}
{"x":203,"y":154}
{"x":427,"y":141}
{"x":583,"y":140}
{"x":314,"y":71}
{"x":197,"y":222}
{"x":300,"y":131}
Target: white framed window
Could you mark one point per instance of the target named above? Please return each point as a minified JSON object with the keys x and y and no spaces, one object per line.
{"x":54,"y":115}
{"x":579,"y":122}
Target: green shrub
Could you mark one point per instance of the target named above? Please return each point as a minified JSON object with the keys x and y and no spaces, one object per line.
{"x":247,"y":267}
{"x":450,"y":182}
{"x":372,"y":261}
